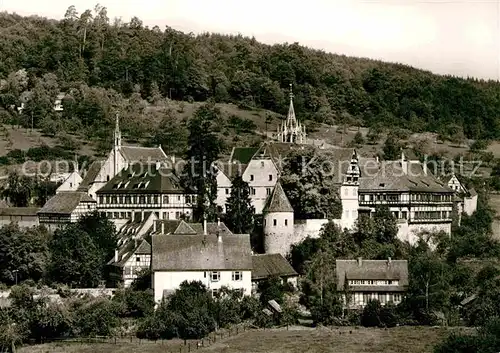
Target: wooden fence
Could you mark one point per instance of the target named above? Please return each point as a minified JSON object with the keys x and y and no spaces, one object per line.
{"x":171,"y":346}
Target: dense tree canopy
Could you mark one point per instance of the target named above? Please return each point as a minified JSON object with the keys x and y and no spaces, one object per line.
{"x":86,"y":48}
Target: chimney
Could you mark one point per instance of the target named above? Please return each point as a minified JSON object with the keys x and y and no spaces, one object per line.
{"x":219,"y":238}
{"x":425,"y":166}
{"x":116,"y":255}
{"x":360,"y":261}
{"x":173,"y":161}
{"x":205,"y":226}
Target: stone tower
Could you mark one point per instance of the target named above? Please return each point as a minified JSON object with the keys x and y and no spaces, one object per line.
{"x":291,"y":130}
{"x":349,"y":193}
{"x":278,"y":222}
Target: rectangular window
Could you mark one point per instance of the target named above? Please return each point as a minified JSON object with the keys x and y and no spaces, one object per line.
{"x":177,"y":215}
{"x":275,"y":222}
{"x":268,"y":191}
{"x":178,"y":198}
{"x":237,"y":276}
{"x":286,"y":222}
{"x":165,"y":199}
{"x":214,"y":292}
{"x":215,"y":276}
{"x":227,"y":191}
{"x":137,"y":259}
{"x":270,"y":177}
{"x":188,"y":199}
{"x":155,"y":199}
{"x":251,"y":177}
{"x":252,"y":190}
{"x":101,"y":199}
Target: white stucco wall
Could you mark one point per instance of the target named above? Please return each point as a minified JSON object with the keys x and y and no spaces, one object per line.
{"x":409,"y":232}
{"x":223,"y":190}
{"x":164,"y":280}
{"x":350,"y":205}
{"x":261,"y":175}
{"x":470,"y":205}
{"x":71,"y":183}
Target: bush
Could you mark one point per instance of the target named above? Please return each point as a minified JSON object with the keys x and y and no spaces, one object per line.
{"x":371,"y":314}
{"x":97,"y":318}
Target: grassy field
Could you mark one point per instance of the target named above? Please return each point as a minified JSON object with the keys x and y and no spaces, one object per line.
{"x":295,"y":340}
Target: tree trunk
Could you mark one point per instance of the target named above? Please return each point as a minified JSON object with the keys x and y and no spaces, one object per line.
{"x":427,"y":295}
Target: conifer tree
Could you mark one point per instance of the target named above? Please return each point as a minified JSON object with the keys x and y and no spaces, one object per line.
{"x":239,"y":209}
{"x":204,"y":149}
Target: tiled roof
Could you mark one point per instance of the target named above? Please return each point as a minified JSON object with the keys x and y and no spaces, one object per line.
{"x":231,"y":170}
{"x":169,"y":226}
{"x":277,"y":201}
{"x":198,"y":252}
{"x":65,"y":202}
{"x":90,"y":176}
{"x":391,"y":177}
{"x":372,"y":270}
{"x":143,"y":154}
{"x":144,"y":178}
{"x":242,"y":155}
{"x":212,"y":228}
{"x":19,"y":211}
{"x":269,"y":265}
{"x":144,"y":248}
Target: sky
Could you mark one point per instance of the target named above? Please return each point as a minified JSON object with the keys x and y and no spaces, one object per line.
{"x":460,"y":37}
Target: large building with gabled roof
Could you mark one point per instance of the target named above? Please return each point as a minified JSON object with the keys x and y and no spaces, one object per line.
{"x":144,"y":188}
{"x":122,"y":157}
{"x":65,"y":207}
{"x":215,"y":260}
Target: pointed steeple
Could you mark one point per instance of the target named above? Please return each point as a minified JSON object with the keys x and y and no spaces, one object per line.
{"x":117,"y":133}
{"x":277,"y":201}
{"x":291,"y":119}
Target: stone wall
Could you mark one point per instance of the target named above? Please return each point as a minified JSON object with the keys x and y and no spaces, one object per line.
{"x":409,"y":232}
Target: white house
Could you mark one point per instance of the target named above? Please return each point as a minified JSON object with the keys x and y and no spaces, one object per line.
{"x":363,"y":280}
{"x":65,"y":207}
{"x":215,"y":260}
{"x":70,"y":183}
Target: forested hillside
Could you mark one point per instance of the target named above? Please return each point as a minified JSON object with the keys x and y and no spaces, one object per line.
{"x":104,"y":59}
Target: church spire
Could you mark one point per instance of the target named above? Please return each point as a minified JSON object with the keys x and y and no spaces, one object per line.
{"x":291,"y":111}
{"x":117,"y":133}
